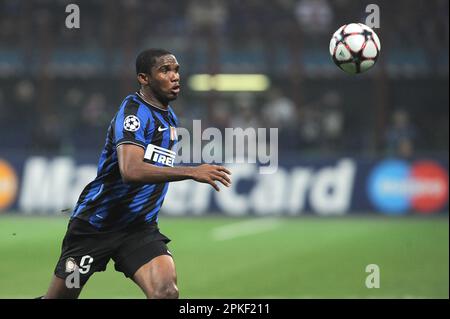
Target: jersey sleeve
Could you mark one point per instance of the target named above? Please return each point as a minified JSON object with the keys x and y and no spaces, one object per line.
{"x":131,"y":123}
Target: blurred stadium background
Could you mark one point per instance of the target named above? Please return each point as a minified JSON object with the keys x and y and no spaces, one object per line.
{"x":363,"y":176}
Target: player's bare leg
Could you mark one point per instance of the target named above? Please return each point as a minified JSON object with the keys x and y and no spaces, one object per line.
{"x":157,"y":278}
{"x":59,"y":290}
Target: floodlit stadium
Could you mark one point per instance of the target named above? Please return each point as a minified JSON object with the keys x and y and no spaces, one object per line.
{"x":339,"y":182}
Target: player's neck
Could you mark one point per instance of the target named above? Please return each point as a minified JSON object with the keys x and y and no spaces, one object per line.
{"x":151,"y":99}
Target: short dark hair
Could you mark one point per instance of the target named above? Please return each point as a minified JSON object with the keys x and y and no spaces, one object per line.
{"x":147,"y":59}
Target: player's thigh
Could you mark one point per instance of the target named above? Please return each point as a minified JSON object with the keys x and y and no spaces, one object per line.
{"x":145,"y":258}
{"x":158,"y":278}
{"x":81,"y":256}
{"x":59,"y":290}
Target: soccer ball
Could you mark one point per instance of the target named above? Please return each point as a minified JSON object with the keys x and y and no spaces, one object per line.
{"x":355,"y":48}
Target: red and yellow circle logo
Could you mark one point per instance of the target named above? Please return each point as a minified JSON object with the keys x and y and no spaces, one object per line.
{"x":8,"y":185}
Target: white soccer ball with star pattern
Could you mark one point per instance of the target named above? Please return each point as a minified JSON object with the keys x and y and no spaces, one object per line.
{"x":355,"y":48}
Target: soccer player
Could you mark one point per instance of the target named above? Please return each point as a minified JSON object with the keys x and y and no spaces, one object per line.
{"x":117,"y":213}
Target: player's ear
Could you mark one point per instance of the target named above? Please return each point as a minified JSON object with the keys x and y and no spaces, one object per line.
{"x":143,"y":78}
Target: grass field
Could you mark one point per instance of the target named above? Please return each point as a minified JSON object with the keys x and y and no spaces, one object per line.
{"x":254,"y":258}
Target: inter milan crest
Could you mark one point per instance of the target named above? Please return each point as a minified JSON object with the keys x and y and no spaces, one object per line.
{"x":70,"y":264}
{"x":131,"y":123}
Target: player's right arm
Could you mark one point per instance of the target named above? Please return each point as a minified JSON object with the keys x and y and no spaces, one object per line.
{"x":133,"y":169}
{"x":131,"y":125}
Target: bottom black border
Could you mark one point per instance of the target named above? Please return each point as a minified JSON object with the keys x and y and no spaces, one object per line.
{"x":232,"y":308}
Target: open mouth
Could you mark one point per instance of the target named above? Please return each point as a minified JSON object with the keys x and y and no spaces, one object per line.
{"x":176,"y":89}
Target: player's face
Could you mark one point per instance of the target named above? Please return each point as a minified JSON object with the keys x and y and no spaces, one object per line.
{"x":165,"y":79}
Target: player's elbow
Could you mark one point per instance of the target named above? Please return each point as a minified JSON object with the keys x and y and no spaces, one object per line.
{"x":129,"y":175}
{"x":126,"y":179}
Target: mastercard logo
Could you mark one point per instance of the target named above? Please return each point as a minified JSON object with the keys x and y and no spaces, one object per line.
{"x":8,"y":185}
{"x":396,"y":187}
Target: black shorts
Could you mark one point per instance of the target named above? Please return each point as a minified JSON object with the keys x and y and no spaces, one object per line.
{"x":89,"y":250}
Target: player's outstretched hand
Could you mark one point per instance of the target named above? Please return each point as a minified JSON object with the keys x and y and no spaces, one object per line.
{"x":207,"y":173}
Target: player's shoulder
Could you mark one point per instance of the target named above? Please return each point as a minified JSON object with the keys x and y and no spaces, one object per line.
{"x":130,"y":101}
{"x":133,"y":106}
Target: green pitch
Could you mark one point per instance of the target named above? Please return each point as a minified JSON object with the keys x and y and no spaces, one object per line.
{"x":250,"y":258}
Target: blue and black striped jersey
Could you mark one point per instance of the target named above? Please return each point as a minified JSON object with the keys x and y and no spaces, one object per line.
{"x":107,"y":202}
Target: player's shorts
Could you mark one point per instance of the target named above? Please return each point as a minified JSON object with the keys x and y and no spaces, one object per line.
{"x":86,"y":250}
